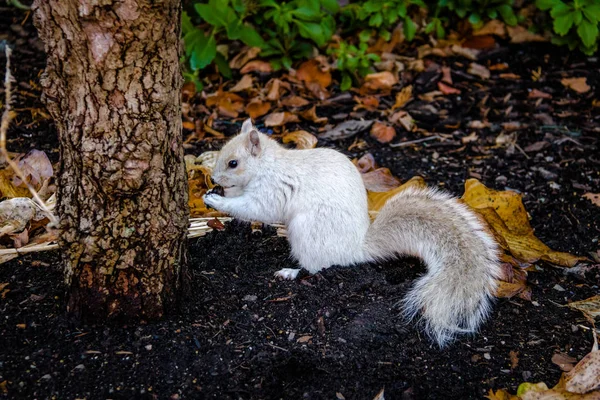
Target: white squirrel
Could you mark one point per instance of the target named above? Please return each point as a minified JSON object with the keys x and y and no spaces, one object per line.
{"x":320,"y":196}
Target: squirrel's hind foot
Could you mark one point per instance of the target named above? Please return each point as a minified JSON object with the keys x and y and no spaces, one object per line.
{"x":287,"y":273}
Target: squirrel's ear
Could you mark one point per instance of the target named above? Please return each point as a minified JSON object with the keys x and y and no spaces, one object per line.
{"x":253,"y":142}
{"x":247,"y":126}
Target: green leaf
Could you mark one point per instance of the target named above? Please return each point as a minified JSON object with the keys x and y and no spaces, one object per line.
{"x":563,"y":24}
{"x":507,"y":14}
{"x":430,"y":27}
{"x":372,"y":6}
{"x":331,"y":5}
{"x":346,"y":82}
{"x":592,"y":13}
{"x":223,"y":66}
{"x":578,"y":17}
{"x":492,"y":14}
{"x":545,"y":4}
{"x":410,"y":29}
{"x":186,"y":23}
{"x":376,"y":20}
{"x":402,"y":10}
{"x":474,"y":19}
{"x":201,"y":49}
{"x":307,"y":13}
{"x":461,"y":12}
{"x":588,"y":32}
{"x":249,"y":36}
{"x":439,"y":30}
{"x":386,"y":35}
{"x":189,"y":77}
{"x":311,"y":31}
{"x":286,"y":62}
{"x":365,"y":35}
{"x":559,"y":10}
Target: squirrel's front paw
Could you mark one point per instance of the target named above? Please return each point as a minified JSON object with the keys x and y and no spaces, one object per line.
{"x":214,"y":197}
{"x":287,"y":273}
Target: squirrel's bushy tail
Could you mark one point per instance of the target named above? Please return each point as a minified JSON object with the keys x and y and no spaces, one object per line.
{"x":455,"y":294}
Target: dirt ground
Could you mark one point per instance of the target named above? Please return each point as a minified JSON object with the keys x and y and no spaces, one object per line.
{"x":241,"y":334}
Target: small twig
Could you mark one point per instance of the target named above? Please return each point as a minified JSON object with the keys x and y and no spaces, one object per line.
{"x":6,"y":118}
{"x":402,"y":144}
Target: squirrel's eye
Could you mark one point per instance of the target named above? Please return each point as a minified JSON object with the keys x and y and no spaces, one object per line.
{"x":232,"y":164}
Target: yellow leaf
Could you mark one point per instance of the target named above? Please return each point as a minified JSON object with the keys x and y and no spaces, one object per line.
{"x":589,"y":306}
{"x":505,"y":214}
{"x":303,"y":139}
{"x":378,"y":199}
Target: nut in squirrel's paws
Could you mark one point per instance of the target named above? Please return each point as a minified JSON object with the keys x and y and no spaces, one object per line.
{"x":213,"y":196}
{"x":287,"y":273}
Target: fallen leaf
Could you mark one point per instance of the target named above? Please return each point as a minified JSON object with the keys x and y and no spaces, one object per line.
{"x":275,"y":89}
{"x":366,"y":163}
{"x":316,"y":76}
{"x":577,"y":84}
{"x":16,"y":214}
{"x":501,"y":395}
{"x":369,"y":103}
{"x":481,"y":42}
{"x":538,"y":94}
{"x":590,"y":307}
{"x":519,"y":34}
{"x":280,"y":118}
{"x":509,"y":289}
{"x":493,"y":27}
{"x":216,"y":224}
{"x":470,"y":138}
{"x":564,"y":361}
{"x":380,"y":180}
{"x":509,"y":221}
{"x":585,"y":376}
{"x":311,"y":115}
{"x":382,"y":133}
{"x":257,"y":108}
{"x":476,"y":124}
{"x":244,"y":84}
{"x":479,"y":70}
{"x":247,"y":54}
{"x":510,"y":76}
{"x":347,"y":129}
{"x":378,"y":82}
{"x":302,"y":139}
{"x":445,"y":89}
{"x":514,"y":359}
{"x":294,"y":101}
{"x":228,"y":104}
{"x":3,"y":388}
{"x":378,"y":199}
{"x":537,"y":146}
{"x":404,"y":119}
{"x":470,"y":54}
{"x":403,"y":97}
{"x":380,"y":395}
{"x":593,"y":197}
{"x":447,"y":75}
{"x":36,"y":167}
{"x":304,"y":339}
{"x":257,"y":66}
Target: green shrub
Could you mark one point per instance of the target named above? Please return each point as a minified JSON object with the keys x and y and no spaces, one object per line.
{"x":382,"y":15}
{"x":575,"y":22}
{"x":476,"y":11}
{"x":352,"y":61}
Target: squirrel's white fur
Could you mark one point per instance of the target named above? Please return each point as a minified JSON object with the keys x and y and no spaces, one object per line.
{"x":320,"y":196}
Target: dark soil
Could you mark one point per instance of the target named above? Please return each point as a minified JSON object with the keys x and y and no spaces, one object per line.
{"x":241,"y":334}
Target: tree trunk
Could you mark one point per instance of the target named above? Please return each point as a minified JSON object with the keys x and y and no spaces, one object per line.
{"x":112,"y":85}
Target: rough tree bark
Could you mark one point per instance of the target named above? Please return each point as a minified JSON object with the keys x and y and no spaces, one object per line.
{"x":112,"y":85}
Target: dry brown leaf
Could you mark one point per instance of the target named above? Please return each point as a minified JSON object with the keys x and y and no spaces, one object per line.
{"x":593,"y":197}
{"x":380,"y":180}
{"x":509,"y":221}
{"x":378,"y":199}
{"x":276,"y":88}
{"x":294,"y":101}
{"x":311,"y":115}
{"x":493,"y":27}
{"x":366,"y":163}
{"x":257,"y":108}
{"x":370,"y":103}
{"x":470,"y":138}
{"x":577,"y":84}
{"x":303,"y":139}
{"x":304,"y":339}
{"x":481,"y":42}
{"x":510,"y":76}
{"x":538,"y":94}
{"x":514,"y":359}
{"x":479,"y":70}
{"x":510,"y":289}
{"x":244,"y":84}
{"x":590,"y":307}
{"x":501,"y":395}
{"x":379,"y":81}
{"x":446,"y":89}
{"x":519,"y":34}
{"x":470,"y":54}
{"x":316,"y":77}
{"x":280,"y":118}
{"x":247,"y":54}
{"x":404,"y":119}
{"x":228,"y":104}
{"x":382,"y":133}
{"x":447,"y":75}
{"x":36,"y":167}
{"x":564,"y":361}
{"x":585,"y":376}
{"x":257,"y":66}
{"x":403,"y":97}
